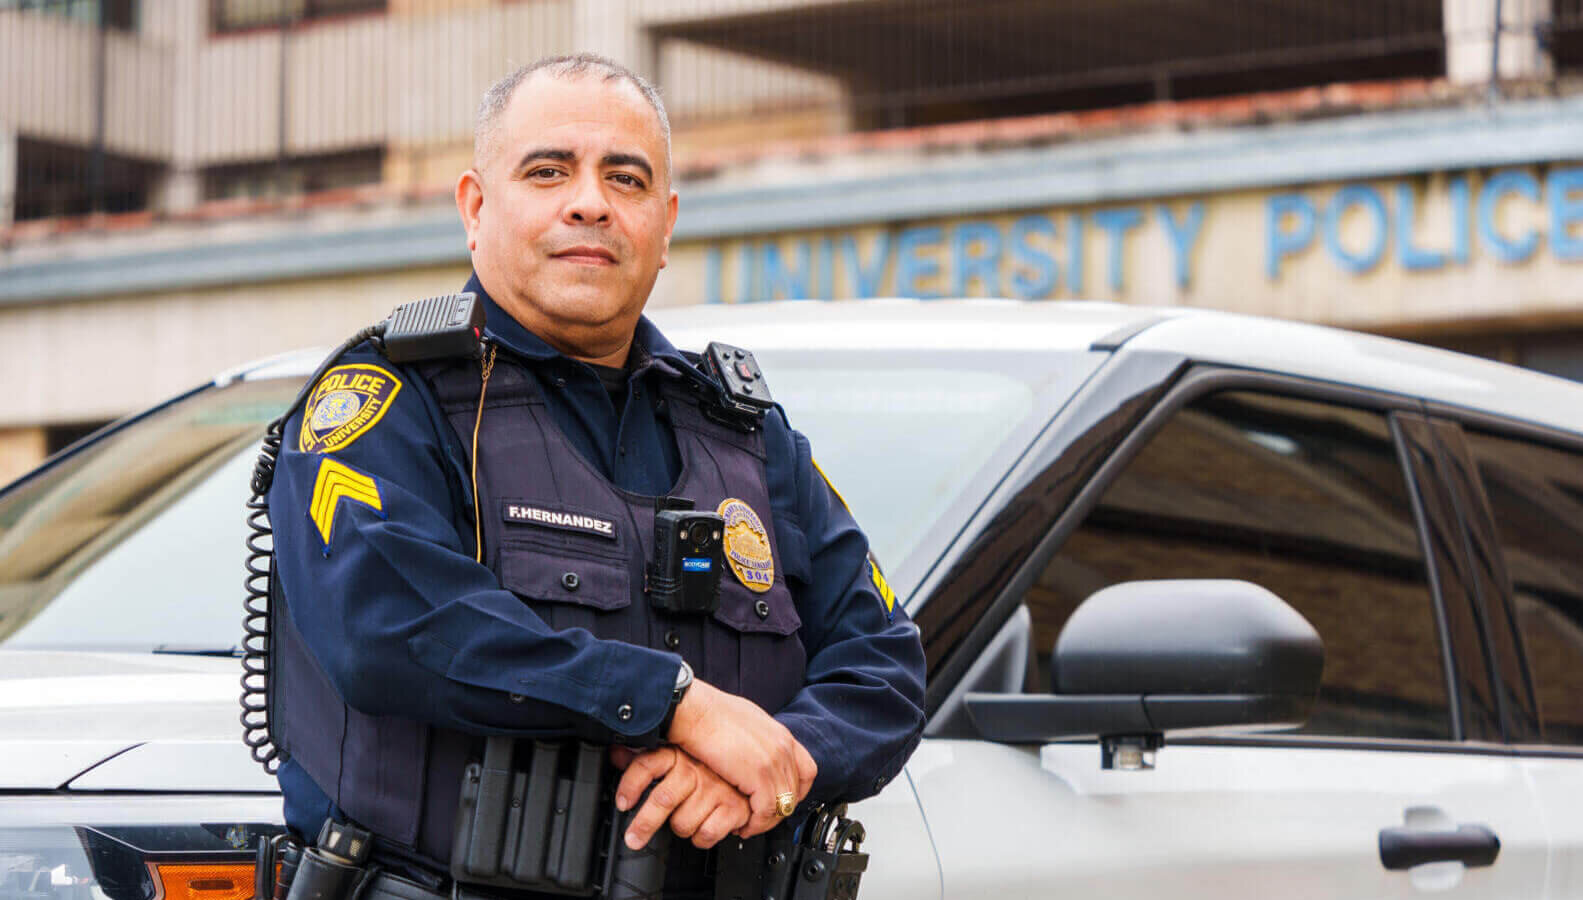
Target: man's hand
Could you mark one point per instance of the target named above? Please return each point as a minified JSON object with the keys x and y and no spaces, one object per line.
{"x":700,"y":805}
{"x":741,"y":743}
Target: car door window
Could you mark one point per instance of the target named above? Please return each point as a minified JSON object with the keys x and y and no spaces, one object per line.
{"x":1535,"y":494}
{"x":1305,"y":498}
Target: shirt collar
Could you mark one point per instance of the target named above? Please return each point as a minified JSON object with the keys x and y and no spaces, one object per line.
{"x":649,"y":346}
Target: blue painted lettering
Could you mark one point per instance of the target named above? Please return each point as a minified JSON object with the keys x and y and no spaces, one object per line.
{"x":912,"y":266}
{"x":1566,"y":211}
{"x":866,"y":277}
{"x":975,"y":255}
{"x":713,"y":263}
{"x":1344,"y":199}
{"x":1074,"y":254}
{"x":826,"y":269}
{"x":1036,"y":275}
{"x":1461,"y":235}
{"x":781,"y":282}
{"x":1280,"y":241}
{"x":747,"y":275}
{"x":1117,"y":222}
{"x":1413,"y":257}
{"x":1490,"y":196}
{"x":1184,"y":235}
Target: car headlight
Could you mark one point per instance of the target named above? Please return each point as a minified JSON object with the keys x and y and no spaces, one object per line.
{"x":132,"y":848}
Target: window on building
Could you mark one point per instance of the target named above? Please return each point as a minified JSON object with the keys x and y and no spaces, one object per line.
{"x":299,"y":175}
{"x":1304,"y":498}
{"x":1563,"y":35}
{"x":120,"y":14}
{"x":232,"y":15}
{"x":1536,"y":495}
{"x":64,"y":180}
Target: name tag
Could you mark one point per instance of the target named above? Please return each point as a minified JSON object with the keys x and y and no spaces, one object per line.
{"x":523,"y":514}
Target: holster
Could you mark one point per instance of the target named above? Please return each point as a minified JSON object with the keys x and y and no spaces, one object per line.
{"x":824,"y":863}
{"x":275,"y":866}
{"x":831,"y":862}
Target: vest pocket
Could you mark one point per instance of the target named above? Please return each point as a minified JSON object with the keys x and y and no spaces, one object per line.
{"x":561,"y":577}
{"x":771,"y":612}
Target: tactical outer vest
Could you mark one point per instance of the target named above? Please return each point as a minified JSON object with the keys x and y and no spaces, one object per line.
{"x":543,"y":509}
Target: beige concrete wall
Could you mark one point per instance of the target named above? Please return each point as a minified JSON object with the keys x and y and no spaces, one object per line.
{"x":1470,"y":26}
{"x":7,"y":176}
{"x":409,"y":80}
{"x":237,"y":98}
{"x":46,"y":66}
{"x":20,"y":450}
{"x":47,"y":84}
{"x":703,"y":83}
{"x":138,"y":96}
{"x":672,"y":11}
{"x":442,"y":64}
{"x":99,"y":359}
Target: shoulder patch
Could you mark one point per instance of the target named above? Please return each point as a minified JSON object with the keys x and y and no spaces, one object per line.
{"x":337,"y":481}
{"x":347,"y":402}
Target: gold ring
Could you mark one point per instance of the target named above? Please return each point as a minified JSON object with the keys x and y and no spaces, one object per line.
{"x":785,"y":803}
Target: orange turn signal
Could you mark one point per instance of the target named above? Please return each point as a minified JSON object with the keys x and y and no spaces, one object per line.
{"x":204,"y":881}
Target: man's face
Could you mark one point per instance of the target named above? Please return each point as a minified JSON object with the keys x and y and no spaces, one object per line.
{"x":570,"y":214}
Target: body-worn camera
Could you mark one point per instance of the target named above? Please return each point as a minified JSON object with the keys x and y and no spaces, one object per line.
{"x":685,"y":574}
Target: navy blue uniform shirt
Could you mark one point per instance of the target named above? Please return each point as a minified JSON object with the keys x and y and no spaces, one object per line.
{"x":394,"y":579}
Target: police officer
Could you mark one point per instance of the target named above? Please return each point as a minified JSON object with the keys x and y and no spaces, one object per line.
{"x":461,"y":545}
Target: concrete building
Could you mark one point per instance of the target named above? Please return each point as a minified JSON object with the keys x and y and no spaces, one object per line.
{"x":186,"y":185}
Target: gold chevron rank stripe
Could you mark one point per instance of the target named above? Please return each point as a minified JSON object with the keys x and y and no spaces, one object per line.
{"x":336,"y":482}
{"x":880,"y":584}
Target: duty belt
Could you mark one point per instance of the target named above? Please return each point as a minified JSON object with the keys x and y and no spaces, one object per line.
{"x":536,"y":815}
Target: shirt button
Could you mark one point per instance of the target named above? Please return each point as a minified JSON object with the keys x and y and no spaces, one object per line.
{"x":673,"y":640}
{"x":625,"y":712}
{"x":880,"y":782}
{"x":621,"y":450}
{"x":762,"y":608}
{"x":518,"y":698}
{"x":560,"y":381}
{"x":570,"y":581}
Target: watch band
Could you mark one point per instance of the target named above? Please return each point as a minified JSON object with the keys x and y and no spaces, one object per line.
{"x":684,"y":680}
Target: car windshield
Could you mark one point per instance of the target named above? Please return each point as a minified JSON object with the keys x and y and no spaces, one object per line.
{"x":135,"y":541}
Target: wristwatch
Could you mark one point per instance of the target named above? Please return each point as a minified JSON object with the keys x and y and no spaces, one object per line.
{"x":684,"y":680}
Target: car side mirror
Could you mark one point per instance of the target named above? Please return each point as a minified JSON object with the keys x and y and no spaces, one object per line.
{"x":1144,"y":660}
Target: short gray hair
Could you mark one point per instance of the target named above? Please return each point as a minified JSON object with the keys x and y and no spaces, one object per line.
{"x":576,"y":65}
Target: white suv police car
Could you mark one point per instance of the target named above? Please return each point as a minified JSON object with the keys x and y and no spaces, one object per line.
{"x":1318,"y":595}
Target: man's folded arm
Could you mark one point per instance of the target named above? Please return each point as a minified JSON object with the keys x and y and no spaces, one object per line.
{"x":860,"y":712}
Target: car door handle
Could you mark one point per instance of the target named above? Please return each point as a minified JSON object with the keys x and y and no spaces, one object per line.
{"x":1471,"y":845}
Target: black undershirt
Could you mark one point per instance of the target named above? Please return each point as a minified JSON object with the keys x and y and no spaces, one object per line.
{"x":615,"y":381}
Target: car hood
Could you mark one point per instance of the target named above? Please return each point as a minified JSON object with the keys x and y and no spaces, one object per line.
{"x":122,"y":721}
